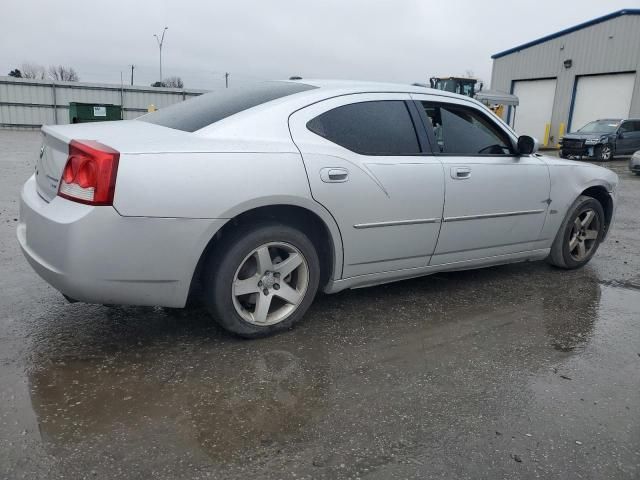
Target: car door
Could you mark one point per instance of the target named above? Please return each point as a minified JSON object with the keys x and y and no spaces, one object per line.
{"x":628,"y":140}
{"x":496,"y":201}
{"x":367,"y":166}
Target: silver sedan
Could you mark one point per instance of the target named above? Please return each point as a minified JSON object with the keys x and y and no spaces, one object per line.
{"x":254,"y":198}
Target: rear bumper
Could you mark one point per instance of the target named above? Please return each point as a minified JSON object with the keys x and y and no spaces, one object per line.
{"x":95,"y":255}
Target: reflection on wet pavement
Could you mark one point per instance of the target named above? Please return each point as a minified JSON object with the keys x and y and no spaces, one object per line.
{"x":366,"y":379}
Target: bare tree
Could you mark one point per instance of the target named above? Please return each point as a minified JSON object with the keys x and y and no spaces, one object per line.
{"x":32,"y":70}
{"x":468,"y":73}
{"x":62,"y":73}
{"x":173,"y":82}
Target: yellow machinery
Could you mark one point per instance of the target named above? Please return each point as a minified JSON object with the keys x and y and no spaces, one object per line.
{"x":496,"y":101}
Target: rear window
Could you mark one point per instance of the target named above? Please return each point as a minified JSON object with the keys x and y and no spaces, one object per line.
{"x":197,"y":113}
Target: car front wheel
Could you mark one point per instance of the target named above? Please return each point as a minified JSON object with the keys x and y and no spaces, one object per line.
{"x":580,"y":234}
{"x":604,"y":152}
{"x":263,"y":281}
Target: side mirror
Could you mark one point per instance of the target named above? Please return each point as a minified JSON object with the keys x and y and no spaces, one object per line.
{"x":527,"y":145}
{"x":621,"y":134}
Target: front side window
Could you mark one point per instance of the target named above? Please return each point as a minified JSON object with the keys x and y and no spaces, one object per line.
{"x":369,"y":128}
{"x":630,"y":126}
{"x":461,"y":130}
{"x":626,"y":127}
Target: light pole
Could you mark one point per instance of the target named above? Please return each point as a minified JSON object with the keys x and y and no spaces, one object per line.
{"x":160,"y":41}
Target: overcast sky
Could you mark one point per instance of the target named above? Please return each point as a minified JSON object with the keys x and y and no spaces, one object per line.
{"x":390,"y":40}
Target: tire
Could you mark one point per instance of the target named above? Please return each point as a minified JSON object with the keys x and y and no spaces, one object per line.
{"x":251,"y":261}
{"x":566,"y":251}
{"x":604,"y":153}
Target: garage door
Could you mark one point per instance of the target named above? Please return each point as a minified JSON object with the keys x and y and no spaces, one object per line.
{"x":602,"y":96}
{"x":533,"y":114}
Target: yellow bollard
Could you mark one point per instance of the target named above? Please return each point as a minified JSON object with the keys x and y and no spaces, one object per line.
{"x":547,"y":131}
{"x":151,"y":108}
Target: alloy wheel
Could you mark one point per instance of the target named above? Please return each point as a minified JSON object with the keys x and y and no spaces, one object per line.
{"x":270,"y":283}
{"x":584,"y":235}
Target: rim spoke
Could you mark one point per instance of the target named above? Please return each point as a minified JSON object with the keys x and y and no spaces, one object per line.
{"x":591,"y":234}
{"x":573,"y":243}
{"x":577,"y":224}
{"x":588,"y":218}
{"x":244,"y":287}
{"x":288,"y":294}
{"x":264,"y":259}
{"x":582,"y":250}
{"x":289,"y":264}
{"x":262,"y":308}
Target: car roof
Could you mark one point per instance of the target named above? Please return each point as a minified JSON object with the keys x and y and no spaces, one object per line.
{"x":367,"y":86}
{"x":616,"y":119}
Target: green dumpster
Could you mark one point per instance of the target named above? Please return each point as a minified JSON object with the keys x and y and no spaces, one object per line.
{"x":93,"y":112}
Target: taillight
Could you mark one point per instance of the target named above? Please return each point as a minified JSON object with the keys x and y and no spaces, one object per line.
{"x":90,"y":173}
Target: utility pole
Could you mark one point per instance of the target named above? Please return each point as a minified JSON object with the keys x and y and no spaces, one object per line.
{"x":132,"y":67}
{"x":226,"y":80}
{"x":160,"y":41}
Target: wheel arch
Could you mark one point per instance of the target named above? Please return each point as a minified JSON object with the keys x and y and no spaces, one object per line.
{"x":601,"y":194}
{"x":311,"y":219}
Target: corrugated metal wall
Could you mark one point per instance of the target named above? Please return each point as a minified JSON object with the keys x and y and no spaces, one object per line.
{"x":612,"y":46}
{"x":26,"y":103}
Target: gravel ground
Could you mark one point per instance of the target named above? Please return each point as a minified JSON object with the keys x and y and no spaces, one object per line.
{"x":521,"y":371}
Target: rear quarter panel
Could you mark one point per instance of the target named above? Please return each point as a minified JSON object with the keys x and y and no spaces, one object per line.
{"x":205,"y":185}
{"x":216,"y":186}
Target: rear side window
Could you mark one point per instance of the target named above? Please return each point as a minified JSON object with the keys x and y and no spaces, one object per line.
{"x":465,"y":131}
{"x":199,"y":112}
{"x":369,"y":128}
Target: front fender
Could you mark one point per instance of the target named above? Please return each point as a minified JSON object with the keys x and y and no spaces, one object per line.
{"x":568,"y":181}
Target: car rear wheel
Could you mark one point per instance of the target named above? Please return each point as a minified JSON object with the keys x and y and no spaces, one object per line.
{"x":604,"y":152}
{"x":580,"y":234}
{"x":263,"y":281}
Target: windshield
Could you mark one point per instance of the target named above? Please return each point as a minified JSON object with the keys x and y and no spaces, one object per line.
{"x":199,"y":112}
{"x":600,"y":126}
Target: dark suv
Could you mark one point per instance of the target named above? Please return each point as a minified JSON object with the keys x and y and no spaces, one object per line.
{"x":602,"y":139}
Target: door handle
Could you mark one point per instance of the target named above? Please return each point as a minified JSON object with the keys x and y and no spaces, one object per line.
{"x":460,"y":173}
{"x":334,"y":175}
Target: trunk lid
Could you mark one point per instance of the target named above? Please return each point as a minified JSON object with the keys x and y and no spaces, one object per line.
{"x":52,"y":159}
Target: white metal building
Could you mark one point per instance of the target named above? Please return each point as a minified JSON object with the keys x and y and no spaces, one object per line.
{"x":28,"y":103}
{"x":571,"y":77}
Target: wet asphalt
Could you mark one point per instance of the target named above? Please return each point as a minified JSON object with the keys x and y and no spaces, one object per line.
{"x":520,"y":371}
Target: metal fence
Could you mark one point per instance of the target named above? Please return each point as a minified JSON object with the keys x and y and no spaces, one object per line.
{"x":27,"y":103}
